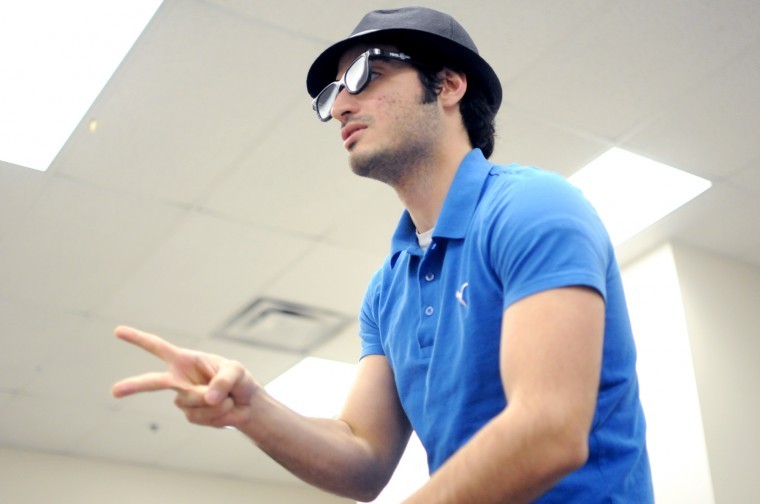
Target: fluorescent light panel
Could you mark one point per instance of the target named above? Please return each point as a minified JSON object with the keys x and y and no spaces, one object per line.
{"x":55,"y":57}
{"x":631,"y":192}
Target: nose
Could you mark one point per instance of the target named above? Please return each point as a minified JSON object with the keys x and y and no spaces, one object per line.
{"x":345,"y":104}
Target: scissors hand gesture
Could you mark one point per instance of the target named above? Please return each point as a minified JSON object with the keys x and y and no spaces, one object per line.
{"x":210,"y":389}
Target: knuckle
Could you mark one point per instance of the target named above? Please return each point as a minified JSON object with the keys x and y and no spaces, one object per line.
{"x":234,"y":365}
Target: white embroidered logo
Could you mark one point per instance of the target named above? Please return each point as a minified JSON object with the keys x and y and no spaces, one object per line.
{"x":460,"y":294}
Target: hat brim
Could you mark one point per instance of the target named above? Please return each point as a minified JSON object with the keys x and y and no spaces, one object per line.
{"x":422,"y":46}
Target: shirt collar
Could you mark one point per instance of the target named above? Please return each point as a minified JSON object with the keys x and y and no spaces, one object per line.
{"x":457,"y":210}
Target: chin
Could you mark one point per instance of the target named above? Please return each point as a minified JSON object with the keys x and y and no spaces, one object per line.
{"x":382,"y":165}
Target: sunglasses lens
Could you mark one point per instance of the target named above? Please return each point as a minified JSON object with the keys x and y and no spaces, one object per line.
{"x":355,"y":79}
{"x":357,"y":74}
{"x":324,"y":102}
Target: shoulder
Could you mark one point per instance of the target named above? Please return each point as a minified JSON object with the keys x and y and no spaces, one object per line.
{"x":379,"y":279}
{"x":528,"y":187}
{"x":529,"y":211}
{"x":526,"y":197}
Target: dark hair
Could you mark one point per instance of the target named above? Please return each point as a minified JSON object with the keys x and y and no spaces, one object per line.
{"x":477,"y":115}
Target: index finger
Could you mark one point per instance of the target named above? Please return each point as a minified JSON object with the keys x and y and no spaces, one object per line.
{"x":148,"y":342}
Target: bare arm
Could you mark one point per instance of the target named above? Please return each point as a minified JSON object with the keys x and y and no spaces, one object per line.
{"x":551,"y":362}
{"x":358,"y":451}
{"x":353,"y":455}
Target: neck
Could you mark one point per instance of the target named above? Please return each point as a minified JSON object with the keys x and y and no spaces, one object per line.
{"x":425,"y":190}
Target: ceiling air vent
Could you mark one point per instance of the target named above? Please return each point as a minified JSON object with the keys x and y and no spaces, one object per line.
{"x":282,"y":325}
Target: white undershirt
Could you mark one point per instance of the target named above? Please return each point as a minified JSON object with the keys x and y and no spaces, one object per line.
{"x":425,"y":239}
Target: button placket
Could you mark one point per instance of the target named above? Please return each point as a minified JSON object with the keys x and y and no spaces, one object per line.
{"x":429,"y":294}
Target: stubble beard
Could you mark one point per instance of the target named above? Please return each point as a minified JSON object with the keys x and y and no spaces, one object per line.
{"x":408,"y":155}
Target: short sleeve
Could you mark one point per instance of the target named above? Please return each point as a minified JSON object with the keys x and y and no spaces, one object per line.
{"x":547,"y":236}
{"x":368,"y":322}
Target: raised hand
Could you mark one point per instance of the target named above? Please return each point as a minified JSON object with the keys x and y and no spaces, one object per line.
{"x":211,"y":390}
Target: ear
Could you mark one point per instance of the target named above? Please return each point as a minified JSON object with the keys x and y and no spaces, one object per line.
{"x":453,"y":87}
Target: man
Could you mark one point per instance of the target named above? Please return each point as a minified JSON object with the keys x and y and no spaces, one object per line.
{"x":496,"y":329}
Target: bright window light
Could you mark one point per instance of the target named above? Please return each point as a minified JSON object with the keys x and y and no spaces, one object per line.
{"x":55,"y":57}
{"x":314,"y":387}
{"x":631,"y":192}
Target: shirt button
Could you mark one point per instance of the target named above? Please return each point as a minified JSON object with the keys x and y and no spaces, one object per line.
{"x":429,"y":277}
{"x":429,"y":310}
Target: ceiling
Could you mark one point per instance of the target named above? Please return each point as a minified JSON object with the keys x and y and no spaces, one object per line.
{"x":209,"y":183}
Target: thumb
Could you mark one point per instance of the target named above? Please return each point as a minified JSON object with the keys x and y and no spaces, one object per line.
{"x":231,"y":380}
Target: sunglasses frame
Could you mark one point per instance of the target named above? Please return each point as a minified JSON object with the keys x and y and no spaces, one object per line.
{"x":331,"y":91}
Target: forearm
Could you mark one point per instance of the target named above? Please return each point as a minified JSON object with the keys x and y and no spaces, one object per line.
{"x":513,"y":459}
{"x":322,"y":452}
{"x":353,"y":457}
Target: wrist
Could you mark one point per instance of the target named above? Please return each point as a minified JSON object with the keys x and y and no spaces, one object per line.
{"x":254,"y":411}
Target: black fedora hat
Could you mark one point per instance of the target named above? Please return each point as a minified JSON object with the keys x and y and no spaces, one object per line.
{"x":426,"y":34}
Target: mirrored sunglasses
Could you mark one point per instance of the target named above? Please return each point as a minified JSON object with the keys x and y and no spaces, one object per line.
{"x":355,"y":79}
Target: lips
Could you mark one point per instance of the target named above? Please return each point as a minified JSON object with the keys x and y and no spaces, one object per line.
{"x":349,"y":130}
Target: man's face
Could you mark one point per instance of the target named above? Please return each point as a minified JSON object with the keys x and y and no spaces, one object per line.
{"x":386,"y":128}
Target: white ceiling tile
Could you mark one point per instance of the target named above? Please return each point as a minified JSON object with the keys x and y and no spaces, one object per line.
{"x":204,"y":272}
{"x":136,"y":437}
{"x":703,"y":223}
{"x":513,"y":35}
{"x":302,"y":184}
{"x":196,"y":92}
{"x":328,"y":277}
{"x":713,"y":130}
{"x":752,"y":254}
{"x":6,"y":397}
{"x":47,"y":424}
{"x":77,"y":242}
{"x":158,"y":406}
{"x":344,"y":347}
{"x":630,"y":62}
{"x":711,"y":230}
{"x":524,"y":138}
{"x":369,"y":225}
{"x":323,"y":21}
{"x":748,"y":178}
{"x":88,"y":361}
{"x":224,"y":452}
{"x":20,"y":189}
{"x":30,"y":335}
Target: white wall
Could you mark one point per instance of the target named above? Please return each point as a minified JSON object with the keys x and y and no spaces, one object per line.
{"x":675,"y":435}
{"x":32,"y":478}
{"x":696,"y":318}
{"x":722,"y":306}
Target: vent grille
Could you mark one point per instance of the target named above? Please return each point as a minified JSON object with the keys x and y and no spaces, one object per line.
{"x":283,"y":325}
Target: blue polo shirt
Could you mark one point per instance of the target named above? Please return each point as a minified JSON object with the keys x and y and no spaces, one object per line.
{"x":504,"y":233}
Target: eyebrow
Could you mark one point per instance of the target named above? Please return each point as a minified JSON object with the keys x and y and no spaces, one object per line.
{"x":389,"y":62}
